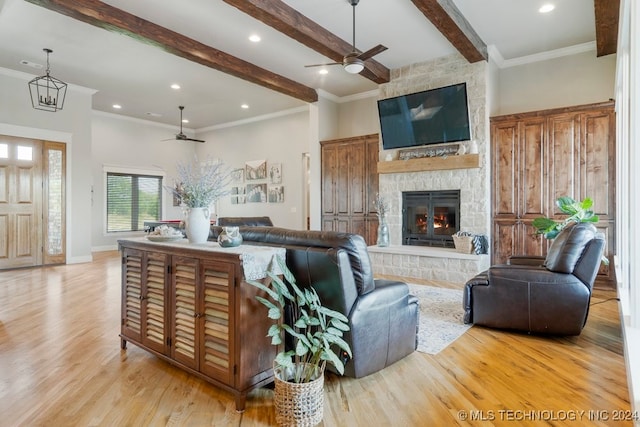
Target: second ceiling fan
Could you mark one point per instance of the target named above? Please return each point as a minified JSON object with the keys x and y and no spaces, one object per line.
{"x":180,"y":136}
{"x":353,"y":62}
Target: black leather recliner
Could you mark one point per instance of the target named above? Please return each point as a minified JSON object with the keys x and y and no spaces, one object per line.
{"x":540,"y":295}
{"x":383,"y":315}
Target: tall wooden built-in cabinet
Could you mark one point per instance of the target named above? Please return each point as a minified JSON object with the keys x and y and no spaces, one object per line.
{"x":540,"y":156}
{"x":350,"y":184}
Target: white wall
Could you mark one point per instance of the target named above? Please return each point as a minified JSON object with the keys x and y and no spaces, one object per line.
{"x":136,"y":146}
{"x":281,"y":139}
{"x":560,"y":82}
{"x":72,"y":126}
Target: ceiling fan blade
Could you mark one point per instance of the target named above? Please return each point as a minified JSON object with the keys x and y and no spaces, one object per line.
{"x":194,"y":140}
{"x":322,"y":65}
{"x":372,"y":52}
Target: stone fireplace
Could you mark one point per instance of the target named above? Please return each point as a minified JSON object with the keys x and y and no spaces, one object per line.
{"x":471,"y":183}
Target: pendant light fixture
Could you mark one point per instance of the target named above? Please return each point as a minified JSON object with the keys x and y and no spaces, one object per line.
{"x":47,"y":92}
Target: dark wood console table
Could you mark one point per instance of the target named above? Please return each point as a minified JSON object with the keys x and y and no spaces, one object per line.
{"x":190,"y":305}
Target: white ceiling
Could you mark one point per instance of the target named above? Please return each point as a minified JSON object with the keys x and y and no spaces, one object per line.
{"x":137,"y":76}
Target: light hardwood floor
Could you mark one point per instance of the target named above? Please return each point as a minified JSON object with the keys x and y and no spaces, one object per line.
{"x":61,"y":365}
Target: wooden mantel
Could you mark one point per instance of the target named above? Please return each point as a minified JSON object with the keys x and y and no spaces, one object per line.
{"x":465,"y":161}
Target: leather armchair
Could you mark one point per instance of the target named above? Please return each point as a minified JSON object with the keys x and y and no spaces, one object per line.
{"x":539,"y":295}
{"x":383,"y":315}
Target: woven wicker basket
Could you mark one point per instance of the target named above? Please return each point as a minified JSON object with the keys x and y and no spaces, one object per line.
{"x":464,"y":244}
{"x":298,"y":404}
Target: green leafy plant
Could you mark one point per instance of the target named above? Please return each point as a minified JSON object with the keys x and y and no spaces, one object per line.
{"x":315,"y":329}
{"x":577,"y":211}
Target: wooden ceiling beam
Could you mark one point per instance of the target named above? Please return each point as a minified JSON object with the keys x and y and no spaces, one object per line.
{"x":607,"y":15}
{"x":449,"y":21}
{"x":292,"y":23}
{"x":104,"y":16}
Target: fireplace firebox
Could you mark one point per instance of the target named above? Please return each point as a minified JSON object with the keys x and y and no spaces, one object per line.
{"x":430,"y":218}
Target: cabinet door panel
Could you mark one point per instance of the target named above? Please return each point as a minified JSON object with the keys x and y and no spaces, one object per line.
{"x":218,"y":281}
{"x":564,"y":150}
{"x":504,"y":241}
{"x":530,"y":243}
{"x":132,"y":293}
{"x":505,"y":167}
{"x":343,"y":184}
{"x":329,"y":171}
{"x":357,"y":179}
{"x":184,"y":310}
{"x":154,"y":334}
{"x":532,"y":169}
{"x":597,"y":164}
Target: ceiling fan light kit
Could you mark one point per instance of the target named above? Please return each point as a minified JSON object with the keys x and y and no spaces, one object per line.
{"x":47,"y":93}
{"x":353,"y":64}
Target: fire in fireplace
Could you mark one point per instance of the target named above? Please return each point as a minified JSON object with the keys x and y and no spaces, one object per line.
{"x":430,"y":218}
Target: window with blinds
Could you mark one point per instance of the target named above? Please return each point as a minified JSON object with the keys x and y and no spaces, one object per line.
{"x":131,"y":200}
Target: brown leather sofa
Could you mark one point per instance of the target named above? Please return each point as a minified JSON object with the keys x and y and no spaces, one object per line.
{"x":383,"y":316}
{"x":244,"y":220}
{"x":540,"y":295}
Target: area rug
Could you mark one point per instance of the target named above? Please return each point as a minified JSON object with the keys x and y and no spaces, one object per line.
{"x":441,"y":316}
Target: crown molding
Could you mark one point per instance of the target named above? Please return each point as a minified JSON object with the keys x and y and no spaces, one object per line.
{"x":28,"y":77}
{"x":496,"y":56}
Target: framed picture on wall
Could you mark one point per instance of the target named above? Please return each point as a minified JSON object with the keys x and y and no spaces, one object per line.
{"x":256,"y":193}
{"x":275,"y":173}
{"x":255,"y":170}
{"x":237,"y":176}
{"x":276,"y":194}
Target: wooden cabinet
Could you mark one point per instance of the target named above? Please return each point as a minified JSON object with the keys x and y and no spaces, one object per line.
{"x":540,"y":156}
{"x":349,"y":185}
{"x":193,"y":308}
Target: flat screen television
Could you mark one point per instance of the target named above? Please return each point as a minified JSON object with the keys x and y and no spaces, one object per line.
{"x":430,"y":117}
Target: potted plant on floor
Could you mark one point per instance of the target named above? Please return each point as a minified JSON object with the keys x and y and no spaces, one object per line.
{"x":315,"y":332}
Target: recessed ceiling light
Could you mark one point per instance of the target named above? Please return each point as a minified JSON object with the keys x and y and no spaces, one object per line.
{"x":31,"y":64}
{"x":546,"y":8}
{"x":175,"y":86}
{"x":117,"y":106}
{"x":323,"y":71}
{"x":245,"y":106}
{"x":254,"y":38}
{"x":185,"y":120}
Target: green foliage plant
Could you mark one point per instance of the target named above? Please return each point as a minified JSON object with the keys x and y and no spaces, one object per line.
{"x":316,"y":330}
{"x":576,"y":211}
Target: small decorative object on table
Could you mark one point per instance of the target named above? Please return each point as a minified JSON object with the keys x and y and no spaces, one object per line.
{"x":463,"y":241}
{"x":230,"y":237}
{"x":382,"y":207}
{"x":164,"y":233}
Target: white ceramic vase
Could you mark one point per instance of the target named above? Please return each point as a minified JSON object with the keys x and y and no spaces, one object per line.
{"x":197,"y":225}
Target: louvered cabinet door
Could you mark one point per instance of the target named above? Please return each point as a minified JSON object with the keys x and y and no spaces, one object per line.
{"x":154,"y":333}
{"x":184,"y":310}
{"x":131,"y":294}
{"x":216,"y":337}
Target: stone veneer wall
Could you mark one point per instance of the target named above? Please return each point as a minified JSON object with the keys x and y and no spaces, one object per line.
{"x":474,"y":184}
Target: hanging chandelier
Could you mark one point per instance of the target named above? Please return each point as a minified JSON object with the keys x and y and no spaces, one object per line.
{"x":47,"y":92}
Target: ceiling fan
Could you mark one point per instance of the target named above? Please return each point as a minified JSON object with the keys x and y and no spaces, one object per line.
{"x":180,"y":136}
{"x":353,"y":62}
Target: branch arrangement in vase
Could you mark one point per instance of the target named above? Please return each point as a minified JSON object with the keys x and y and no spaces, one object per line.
{"x":200,"y":183}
